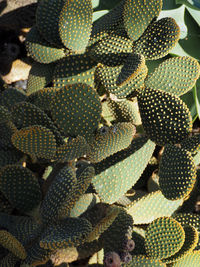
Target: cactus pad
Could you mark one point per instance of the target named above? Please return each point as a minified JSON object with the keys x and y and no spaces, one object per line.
{"x":40,"y":50}
{"x":132,"y":66}
{"x":165,"y":117}
{"x":191,"y":240}
{"x":110,"y":140}
{"x":20,"y":187}
{"x":74,"y":69}
{"x":191,"y":144}
{"x":36,"y":141}
{"x":75,"y":24}
{"x":176,"y":75}
{"x":66,"y":233}
{"x":158,"y":39}
{"x":9,"y":242}
{"x":164,"y":237}
{"x":192,"y":259}
{"x":138,"y":15}
{"x":108,"y":77}
{"x":76,"y":109}
{"x":151,"y":207}
{"x":47,"y":19}
{"x":10,"y":97}
{"x":118,"y":173}
{"x":177,"y":173}
{"x":40,"y":75}
{"x":143,"y":261}
{"x":57,"y":194}
{"x":112,"y":50}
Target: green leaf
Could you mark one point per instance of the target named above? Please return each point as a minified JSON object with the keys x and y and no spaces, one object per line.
{"x":96,"y":15}
{"x":195,"y":4}
{"x":196,"y":99}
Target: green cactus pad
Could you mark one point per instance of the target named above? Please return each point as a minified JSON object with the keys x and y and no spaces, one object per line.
{"x":177,"y":172}
{"x":25,"y":114}
{"x":75,"y":24}
{"x":20,"y":187}
{"x":118,"y":173}
{"x":125,"y":111}
{"x":66,"y":233}
{"x":40,"y":76}
{"x":165,"y":117}
{"x":175,"y":75}
{"x":6,"y":131}
{"x":143,"y":261}
{"x":56,"y":196}
{"x":158,"y":39}
{"x":191,"y":144}
{"x":138,"y":235}
{"x":152,"y":206}
{"x":9,"y":242}
{"x":4,"y":114}
{"x":164,"y":237}
{"x":192,"y":259}
{"x":37,"y":255}
{"x":9,"y":260}
{"x":101,"y":217}
{"x":40,"y":50}
{"x":85,"y":202}
{"x":108,"y":76}
{"x":74,"y":69}
{"x":42,"y":98}
{"x":191,"y":240}
{"x":110,"y":140}
{"x":107,"y":23}
{"x":117,"y":234}
{"x":82,"y":115}
{"x":36,"y":141}
{"x":132,"y":66}
{"x":47,"y":19}
{"x":84,"y":176}
{"x":24,"y":228}
{"x":112,"y":50}
{"x":189,"y":219}
{"x":5,"y":205}
{"x":11,"y":96}
{"x":138,"y":15}
{"x":75,"y":148}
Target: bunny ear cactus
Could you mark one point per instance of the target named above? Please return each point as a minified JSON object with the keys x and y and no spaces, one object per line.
{"x":75,"y":24}
{"x":138,"y":15}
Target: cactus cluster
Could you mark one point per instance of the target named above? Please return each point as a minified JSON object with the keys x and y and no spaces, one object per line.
{"x":79,"y":144}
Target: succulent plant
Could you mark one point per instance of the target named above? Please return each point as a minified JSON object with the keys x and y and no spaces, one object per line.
{"x":76,"y":148}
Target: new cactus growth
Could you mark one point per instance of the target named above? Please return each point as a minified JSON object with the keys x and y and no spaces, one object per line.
{"x":76,"y":147}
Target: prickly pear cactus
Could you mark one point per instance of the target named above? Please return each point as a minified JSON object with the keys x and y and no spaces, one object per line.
{"x":79,"y":147}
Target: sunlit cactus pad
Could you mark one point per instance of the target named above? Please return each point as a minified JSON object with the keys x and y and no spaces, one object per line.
{"x":9,"y":242}
{"x":177,"y":173}
{"x":152,"y":206}
{"x":75,"y":24}
{"x":110,"y":140}
{"x":192,"y":259}
{"x":76,"y":109}
{"x":176,"y":75}
{"x":67,"y":233}
{"x":74,"y":69}
{"x":36,"y":141}
{"x":191,"y":240}
{"x":117,"y":173}
{"x":20,"y":187}
{"x":158,"y":39}
{"x":40,"y":50}
{"x":164,"y":237}
{"x":138,"y":15}
{"x":165,"y":117}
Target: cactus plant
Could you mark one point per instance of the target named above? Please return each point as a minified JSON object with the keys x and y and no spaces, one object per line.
{"x":76,"y":148}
